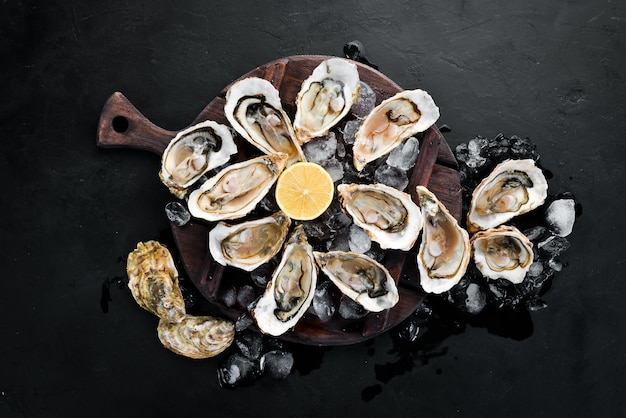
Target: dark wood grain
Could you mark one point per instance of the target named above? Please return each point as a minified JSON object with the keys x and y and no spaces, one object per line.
{"x":436,"y":168}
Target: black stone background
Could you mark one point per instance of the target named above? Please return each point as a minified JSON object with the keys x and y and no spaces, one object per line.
{"x":71,"y":212}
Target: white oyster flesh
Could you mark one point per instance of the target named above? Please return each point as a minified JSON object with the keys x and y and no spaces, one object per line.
{"x":236,"y":190}
{"x":249,"y":244}
{"x":388,"y":215}
{"x":502,"y":253}
{"x":253,"y":108}
{"x":325,"y":98}
{"x":391,"y":122}
{"x":290,"y":291}
{"x":445,"y":250}
{"x":513,"y":187}
{"x":361,"y":278}
{"x":193,"y":152}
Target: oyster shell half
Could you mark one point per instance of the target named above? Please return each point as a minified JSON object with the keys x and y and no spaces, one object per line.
{"x":153,"y":281}
{"x":236,"y":190}
{"x":361,"y":278}
{"x":254,"y":110}
{"x":392,"y":121}
{"x":502,"y":253}
{"x":325,"y":98}
{"x":249,"y":244}
{"x":197,"y":337}
{"x":514,"y":187}
{"x":290,"y":291}
{"x":193,"y":152}
{"x":445,"y":250}
{"x":388,"y":215}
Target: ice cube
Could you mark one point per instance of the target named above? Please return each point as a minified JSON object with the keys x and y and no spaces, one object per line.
{"x":250,"y":344}
{"x":323,"y":305}
{"x":404,"y":155}
{"x":359,"y":240}
{"x":349,"y":309}
{"x":365,"y":102}
{"x":277,"y":364}
{"x":245,"y":295}
{"x":391,"y":176}
{"x":177,"y":213}
{"x":476,"y":299}
{"x":319,"y":150}
{"x":340,"y":241}
{"x":237,"y":370}
{"x":229,"y":297}
{"x":243,"y":322}
{"x":334,"y":168}
{"x":554,"y":245}
{"x":349,"y":130}
{"x":560,"y":216}
{"x":408,"y":330}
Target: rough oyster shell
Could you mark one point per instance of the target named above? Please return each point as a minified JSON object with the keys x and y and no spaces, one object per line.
{"x":361,"y":278}
{"x":388,"y":215}
{"x":249,"y":244}
{"x":514,"y":187}
{"x":392,"y":121}
{"x":153,"y":281}
{"x":193,"y":152}
{"x":292,"y":287}
{"x":445,"y":250}
{"x":325,"y":98}
{"x":254,"y":110}
{"x":502,"y":253}
{"x":197,"y":337}
{"x":236,"y":190}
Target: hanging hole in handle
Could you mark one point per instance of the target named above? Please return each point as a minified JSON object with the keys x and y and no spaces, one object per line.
{"x":120,"y":124}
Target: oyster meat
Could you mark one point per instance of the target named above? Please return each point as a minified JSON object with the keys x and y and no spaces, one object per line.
{"x":197,"y":337}
{"x":502,"y":253}
{"x":325,"y":98}
{"x":361,"y":278}
{"x":235,"y":191}
{"x":254,"y":110}
{"x":193,"y":152}
{"x":388,"y":215}
{"x":153,"y":281}
{"x":514,"y":187}
{"x":445,"y":249}
{"x":249,"y":244}
{"x":392,"y":121}
{"x":290,"y":291}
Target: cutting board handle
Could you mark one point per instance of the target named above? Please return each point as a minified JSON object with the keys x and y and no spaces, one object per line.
{"x":123,"y":126}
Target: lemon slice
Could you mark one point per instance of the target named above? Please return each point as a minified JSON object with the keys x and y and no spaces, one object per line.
{"x":304,"y":191}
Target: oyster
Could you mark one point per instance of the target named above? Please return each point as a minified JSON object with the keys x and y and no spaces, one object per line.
{"x":197,"y":337}
{"x":502,"y":252}
{"x":236,"y":190}
{"x":290,"y":291}
{"x":514,"y":187}
{"x":445,"y":250}
{"x":361,"y":278}
{"x":153,"y":281}
{"x":254,"y":109}
{"x":249,"y":244}
{"x":392,"y":121}
{"x":388,"y":215}
{"x":193,"y":152}
{"x":325,"y":98}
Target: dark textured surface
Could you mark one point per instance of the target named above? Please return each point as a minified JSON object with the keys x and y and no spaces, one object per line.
{"x":71,"y":212}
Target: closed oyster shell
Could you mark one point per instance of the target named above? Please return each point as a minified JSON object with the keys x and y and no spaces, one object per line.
{"x":193,"y":152}
{"x":445,"y":250}
{"x":197,"y":337}
{"x":325,"y":98}
{"x":502,"y":253}
{"x":392,"y":121}
{"x":153,"y":281}
{"x":290,"y":291}
{"x":249,"y":244}
{"x":235,"y":191}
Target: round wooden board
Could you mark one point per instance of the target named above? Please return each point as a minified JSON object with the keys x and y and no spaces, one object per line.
{"x":122,"y":125}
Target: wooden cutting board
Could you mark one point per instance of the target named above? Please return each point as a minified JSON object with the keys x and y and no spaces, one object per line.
{"x":122,"y":125}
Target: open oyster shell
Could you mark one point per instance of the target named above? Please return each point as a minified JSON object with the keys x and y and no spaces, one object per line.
{"x":325,"y":98}
{"x":153,"y":281}
{"x":445,"y":249}
{"x":254,"y":110}
{"x":290,"y":291}
{"x":392,"y":121}
{"x":249,"y":244}
{"x":514,"y":187}
{"x":197,"y":337}
{"x":502,"y":253}
{"x":236,"y":190}
{"x":193,"y":152}
{"x":388,"y":215}
{"x":361,"y":278}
